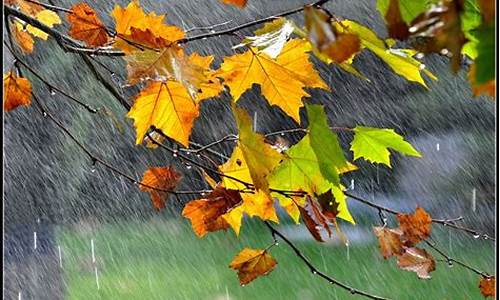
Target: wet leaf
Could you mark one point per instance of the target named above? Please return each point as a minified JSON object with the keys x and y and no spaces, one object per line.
{"x":23,"y":39}
{"x":417,"y":260}
{"x":251,"y":264}
{"x":17,"y":91}
{"x":415,"y":227}
{"x":338,"y":46}
{"x":166,"y":106}
{"x":206,"y":214}
{"x":487,"y":286}
{"x":373,"y":144}
{"x":440,"y":30}
{"x":282,"y":80}
{"x":389,"y":241}
{"x":239,"y":3}
{"x":164,"y":178}
{"x":314,"y":219}
{"x":86,"y":25}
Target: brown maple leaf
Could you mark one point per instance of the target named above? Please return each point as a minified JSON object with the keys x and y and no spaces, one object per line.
{"x":205,"y":214}
{"x":163,"y":178}
{"x":487,"y":286}
{"x":252,"y":263}
{"x":416,"y":227}
{"x":86,"y":25}
{"x":314,"y":219}
{"x":417,"y":260}
{"x":389,"y":241}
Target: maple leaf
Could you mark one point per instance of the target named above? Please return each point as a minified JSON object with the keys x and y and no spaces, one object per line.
{"x":17,"y":91}
{"x":389,"y":241}
{"x":260,"y":157}
{"x":239,"y":3}
{"x":86,"y":25}
{"x":206,"y":214}
{"x":46,"y":17}
{"x":170,"y":62}
{"x":416,"y":227}
{"x":417,"y":260}
{"x":282,"y":79}
{"x":168,"y":107}
{"x":401,"y":61}
{"x":487,"y":286}
{"x":252,"y":263}
{"x":22,"y":38}
{"x":260,"y":204}
{"x":338,"y":46}
{"x":271,"y":38}
{"x":325,"y":144}
{"x":164,"y":178}
{"x":373,"y":144}
{"x":133,"y":16}
{"x":314,"y":219}
{"x":441,"y":31}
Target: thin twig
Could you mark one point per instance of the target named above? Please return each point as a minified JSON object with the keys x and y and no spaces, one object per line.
{"x":315,"y":271}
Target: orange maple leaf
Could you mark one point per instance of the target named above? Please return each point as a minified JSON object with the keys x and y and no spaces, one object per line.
{"x":22,"y":37}
{"x":17,"y":91}
{"x":416,"y":227}
{"x":239,"y":3}
{"x":86,"y":25}
{"x":163,"y":178}
{"x":252,"y":263}
{"x":389,"y":241}
{"x":487,"y":286}
{"x":206,"y":214}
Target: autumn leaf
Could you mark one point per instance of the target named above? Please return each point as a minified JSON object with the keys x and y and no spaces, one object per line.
{"x":252,"y":263}
{"x":396,"y":27}
{"x":17,"y":91}
{"x":314,"y":219}
{"x":282,"y":80}
{"x":417,"y":260}
{"x":373,"y":144}
{"x":416,"y":227}
{"x":163,"y":178}
{"x":487,"y":286}
{"x":401,"y":61}
{"x":22,"y":37}
{"x":271,"y":38}
{"x":239,"y":3}
{"x":170,"y":62}
{"x":441,"y":31}
{"x":86,"y":25}
{"x":133,"y":16}
{"x":389,"y":241}
{"x":206,"y":214}
{"x":168,"y":107}
{"x":46,"y":17}
{"x":338,"y":46}
{"x":260,"y":157}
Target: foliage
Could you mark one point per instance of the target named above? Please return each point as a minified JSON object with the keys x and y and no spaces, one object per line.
{"x":306,"y":179}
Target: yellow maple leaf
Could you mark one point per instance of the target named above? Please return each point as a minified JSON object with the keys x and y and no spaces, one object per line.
{"x":282,"y":79}
{"x":252,"y":263}
{"x":133,"y":16}
{"x":22,"y":38}
{"x":166,"y":106}
{"x":48,"y":18}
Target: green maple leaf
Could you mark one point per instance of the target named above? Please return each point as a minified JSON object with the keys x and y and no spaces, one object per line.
{"x":373,"y":144}
{"x":325,"y":144}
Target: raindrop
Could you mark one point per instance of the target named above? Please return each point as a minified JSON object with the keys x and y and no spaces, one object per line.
{"x":352,"y":185}
{"x":437,"y":146}
{"x":476,"y":236}
{"x":348,"y":256}
{"x":44,"y":114}
{"x":474,"y":199}
{"x":188,"y":166}
{"x":485,"y":236}
{"x":314,"y":272}
{"x":198,"y":155}
{"x":175,"y":153}
{"x":413,"y":29}
{"x":384,"y":220}
{"x":242,"y":285}
{"x":352,"y":291}
{"x":276,"y":244}
{"x":444,"y":51}
{"x":212,"y":31}
{"x":34,"y":240}
{"x":92,"y":170}
{"x":52,"y":92}
{"x":419,"y":55}
{"x":204,"y":38}
{"x":450,"y":263}
{"x":282,"y":134}
{"x":421,"y":67}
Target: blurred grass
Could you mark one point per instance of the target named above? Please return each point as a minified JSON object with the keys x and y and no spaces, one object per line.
{"x":163,"y":259}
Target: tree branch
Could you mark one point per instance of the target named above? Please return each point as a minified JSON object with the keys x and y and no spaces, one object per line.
{"x":314,"y":270}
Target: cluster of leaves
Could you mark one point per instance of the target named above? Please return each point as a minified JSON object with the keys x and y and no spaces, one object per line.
{"x":449,"y":27}
{"x":304,"y":178}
